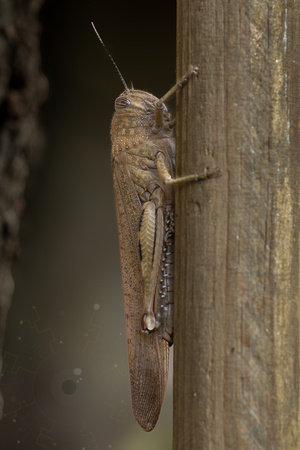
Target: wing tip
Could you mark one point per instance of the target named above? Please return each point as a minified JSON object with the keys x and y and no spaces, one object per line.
{"x":147,"y":403}
{"x":146,"y":423}
{"x":148,"y":384}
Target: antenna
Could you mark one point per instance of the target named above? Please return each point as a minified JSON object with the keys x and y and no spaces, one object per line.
{"x":116,"y":67}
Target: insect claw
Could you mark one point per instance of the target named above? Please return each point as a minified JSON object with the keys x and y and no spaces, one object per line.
{"x":194,"y":70}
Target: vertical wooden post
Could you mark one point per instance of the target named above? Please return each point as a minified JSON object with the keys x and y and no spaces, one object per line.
{"x":236,"y":370}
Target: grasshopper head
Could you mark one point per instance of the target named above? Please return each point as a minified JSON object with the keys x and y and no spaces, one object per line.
{"x":134,"y":102}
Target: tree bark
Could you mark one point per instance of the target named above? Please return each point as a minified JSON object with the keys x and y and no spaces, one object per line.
{"x":236,"y":368}
{"x":22,"y":89}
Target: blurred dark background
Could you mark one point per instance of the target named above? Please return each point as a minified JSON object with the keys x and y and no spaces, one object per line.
{"x":66,"y":381}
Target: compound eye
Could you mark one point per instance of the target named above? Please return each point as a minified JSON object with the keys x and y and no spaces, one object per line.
{"x":122,"y":102}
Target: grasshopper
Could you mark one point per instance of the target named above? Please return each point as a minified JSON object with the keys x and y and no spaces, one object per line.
{"x":143,"y":162}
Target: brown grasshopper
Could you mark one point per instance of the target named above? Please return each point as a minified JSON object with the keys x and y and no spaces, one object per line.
{"x":143,"y":161}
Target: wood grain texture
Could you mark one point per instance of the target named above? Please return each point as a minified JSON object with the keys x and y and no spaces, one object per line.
{"x":236,"y":368}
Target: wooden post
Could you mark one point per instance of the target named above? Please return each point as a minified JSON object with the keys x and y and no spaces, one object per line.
{"x":236,"y":370}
